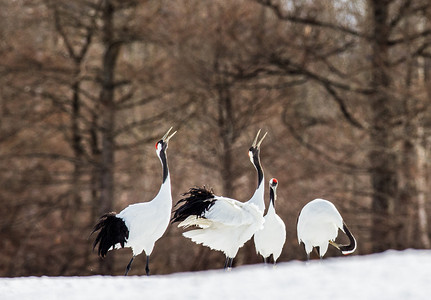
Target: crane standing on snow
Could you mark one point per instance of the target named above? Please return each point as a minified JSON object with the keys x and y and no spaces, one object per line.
{"x":318,"y":224}
{"x":139,"y":225}
{"x":225,"y":224}
{"x":271,"y":238}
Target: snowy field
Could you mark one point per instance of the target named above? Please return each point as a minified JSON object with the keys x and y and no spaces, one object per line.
{"x":390,"y":275}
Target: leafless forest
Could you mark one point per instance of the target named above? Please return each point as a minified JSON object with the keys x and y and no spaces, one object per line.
{"x":87,"y":87}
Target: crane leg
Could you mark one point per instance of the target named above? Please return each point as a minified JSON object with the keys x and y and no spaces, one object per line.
{"x":226,"y":263}
{"x":230,"y":262}
{"x":129,"y":266}
{"x":265,"y":261}
{"x":147,"y":266}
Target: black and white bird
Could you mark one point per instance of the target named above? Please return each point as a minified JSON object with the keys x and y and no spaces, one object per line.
{"x":271,"y":238}
{"x":318,"y":225}
{"x":224,"y":224}
{"x":139,"y":225}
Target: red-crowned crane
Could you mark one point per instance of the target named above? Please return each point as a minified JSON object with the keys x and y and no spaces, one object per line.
{"x":224,"y":224}
{"x":318,"y":225}
{"x":139,"y":225}
{"x":271,"y":238}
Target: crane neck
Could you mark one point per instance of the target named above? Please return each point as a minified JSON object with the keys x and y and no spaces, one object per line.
{"x":258,"y":196}
{"x":164,"y":161}
{"x":256,"y":163}
{"x":164,"y":194}
{"x":347,"y":249}
{"x":272,"y":197}
{"x":165,"y":188}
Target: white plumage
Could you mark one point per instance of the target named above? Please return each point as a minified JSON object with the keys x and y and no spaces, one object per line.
{"x":318,"y":225}
{"x":139,"y":225}
{"x":271,"y":238}
{"x":147,"y":221}
{"x":224,"y":224}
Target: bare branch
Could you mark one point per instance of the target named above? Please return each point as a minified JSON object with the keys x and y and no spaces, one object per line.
{"x":282,"y":15}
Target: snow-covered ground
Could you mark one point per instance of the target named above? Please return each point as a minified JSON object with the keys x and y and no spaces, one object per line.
{"x":390,"y":275}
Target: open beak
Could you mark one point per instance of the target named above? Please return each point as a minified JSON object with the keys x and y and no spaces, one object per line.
{"x":257,"y":144}
{"x":167,"y":137}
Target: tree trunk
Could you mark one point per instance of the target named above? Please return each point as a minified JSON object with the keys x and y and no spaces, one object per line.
{"x":423,"y":165}
{"x":225,"y":123}
{"x":382,"y":158}
{"x":422,"y":187}
{"x":226,"y":135}
{"x":408,"y":170}
{"x":110,"y":57}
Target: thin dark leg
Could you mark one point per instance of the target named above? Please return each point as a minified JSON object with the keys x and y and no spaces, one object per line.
{"x":226,"y":263}
{"x":128,"y":266}
{"x":147,"y":266}
{"x":273,"y":261}
{"x":317,"y":250}
{"x":230,"y":262}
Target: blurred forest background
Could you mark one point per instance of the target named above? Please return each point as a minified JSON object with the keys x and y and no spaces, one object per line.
{"x":87,"y":87}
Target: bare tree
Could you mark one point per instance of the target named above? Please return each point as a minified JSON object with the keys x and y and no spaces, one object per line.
{"x":390,"y":122}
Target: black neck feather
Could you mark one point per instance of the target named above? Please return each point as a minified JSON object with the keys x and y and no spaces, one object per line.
{"x":352,"y":244}
{"x":272,"y":196}
{"x":258,"y":168}
{"x":164,"y":165}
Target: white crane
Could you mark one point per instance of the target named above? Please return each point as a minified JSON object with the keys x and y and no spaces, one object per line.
{"x":271,"y":238}
{"x":225,"y":224}
{"x":318,"y":225}
{"x":139,"y":225}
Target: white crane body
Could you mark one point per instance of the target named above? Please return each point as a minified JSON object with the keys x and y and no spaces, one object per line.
{"x":139,"y":225}
{"x":318,"y":225}
{"x":224,"y":224}
{"x":271,"y":237}
{"x":147,"y":221}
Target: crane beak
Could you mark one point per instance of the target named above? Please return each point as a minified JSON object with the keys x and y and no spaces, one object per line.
{"x":255,"y":139}
{"x":167,"y":137}
{"x":335,"y":244}
{"x":260,"y":142}
{"x":257,"y":144}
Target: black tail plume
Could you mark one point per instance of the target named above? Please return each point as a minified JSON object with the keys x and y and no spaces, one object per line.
{"x":196,"y":202}
{"x":113,"y":230}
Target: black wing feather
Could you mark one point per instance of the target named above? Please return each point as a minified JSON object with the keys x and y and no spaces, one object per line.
{"x":195,"y":203}
{"x":112,"y":230}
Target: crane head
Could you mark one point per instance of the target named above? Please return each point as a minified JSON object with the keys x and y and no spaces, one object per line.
{"x":163,"y":143}
{"x":272,"y":190}
{"x":273,"y":183}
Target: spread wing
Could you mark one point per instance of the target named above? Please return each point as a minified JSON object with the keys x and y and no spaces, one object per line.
{"x":230,"y":212}
{"x":202,"y":208}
